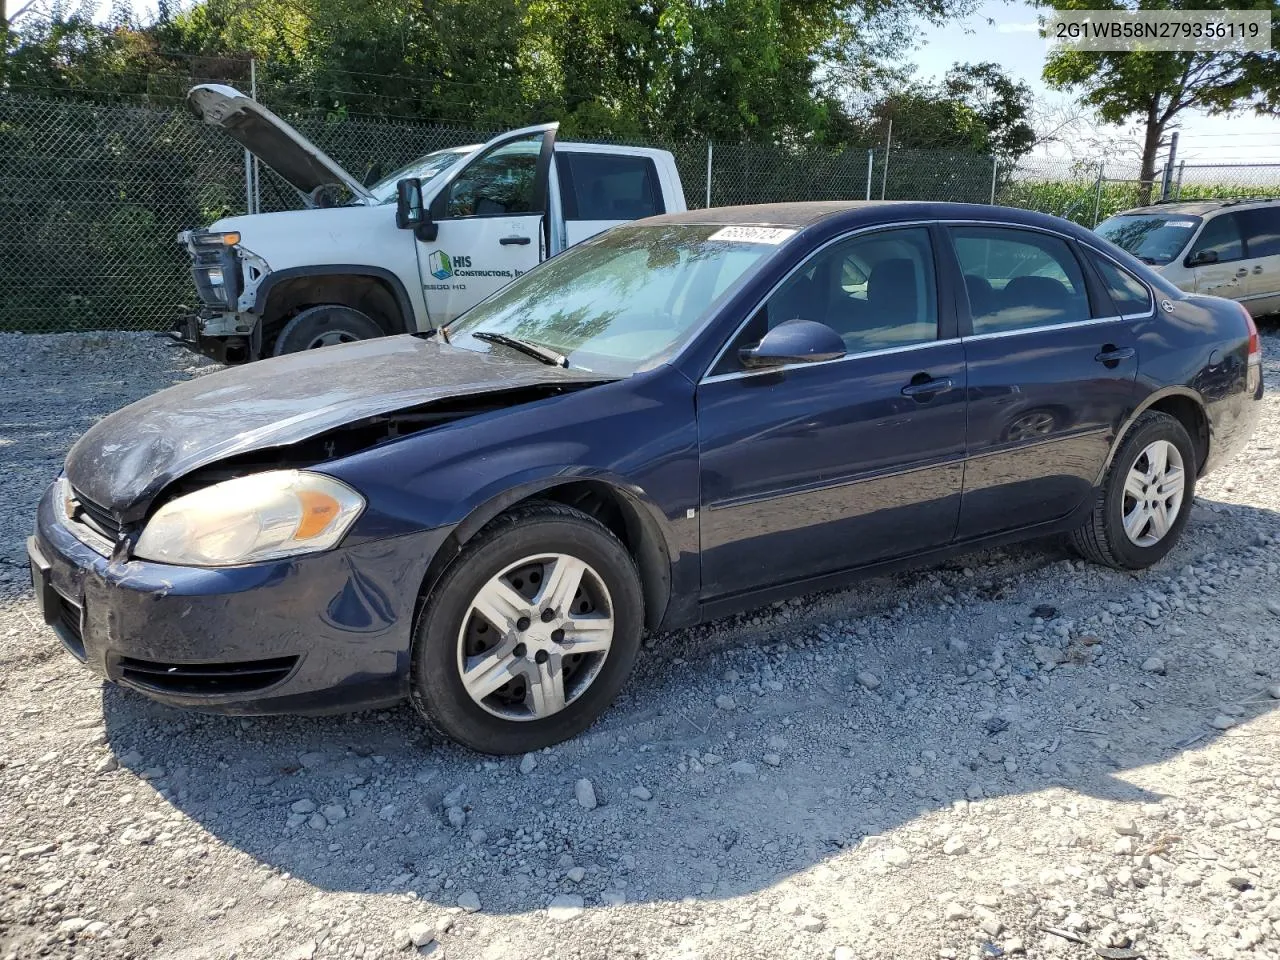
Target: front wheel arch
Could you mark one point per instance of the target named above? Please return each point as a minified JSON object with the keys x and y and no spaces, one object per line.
{"x":624,"y":514}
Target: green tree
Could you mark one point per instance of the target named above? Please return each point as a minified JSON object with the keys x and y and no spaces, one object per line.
{"x":977,"y":108}
{"x":1155,"y":88}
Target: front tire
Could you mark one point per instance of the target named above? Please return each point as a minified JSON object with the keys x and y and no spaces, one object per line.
{"x":325,"y":326}
{"x":530,"y":634}
{"x":1143,"y":503}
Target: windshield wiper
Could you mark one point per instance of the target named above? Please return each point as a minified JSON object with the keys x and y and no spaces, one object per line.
{"x":535,"y":350}
{"x":1150,"y":260}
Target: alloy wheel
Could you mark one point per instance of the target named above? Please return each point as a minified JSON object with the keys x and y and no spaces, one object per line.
{"x":1153,"y":492}
{"x":535,"y":637}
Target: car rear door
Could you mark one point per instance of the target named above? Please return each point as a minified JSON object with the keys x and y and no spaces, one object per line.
{"x":1051,"y":371}
{"x":1261,"y":227}
{"x":818,"y":467}
{"x":603,"y":187}
{"x":491,"y":219}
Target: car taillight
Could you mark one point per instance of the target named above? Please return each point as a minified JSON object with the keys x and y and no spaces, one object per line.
{"x":1255,"y":344}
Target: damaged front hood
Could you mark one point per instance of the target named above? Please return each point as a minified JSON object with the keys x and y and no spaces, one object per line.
{"x":126,"y":459}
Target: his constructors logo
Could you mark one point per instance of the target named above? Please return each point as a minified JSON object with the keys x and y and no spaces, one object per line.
{"x":441,"y":266}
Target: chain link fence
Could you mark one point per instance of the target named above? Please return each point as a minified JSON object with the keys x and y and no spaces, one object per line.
{"x":92,"y":195}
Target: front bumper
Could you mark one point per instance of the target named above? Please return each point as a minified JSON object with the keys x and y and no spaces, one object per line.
{"x":189,"y":329}
{"x":313,"y":634}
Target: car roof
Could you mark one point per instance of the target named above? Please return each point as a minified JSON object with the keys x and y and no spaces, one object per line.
{"x":852,"y":213}
{"x":1199,"y":207}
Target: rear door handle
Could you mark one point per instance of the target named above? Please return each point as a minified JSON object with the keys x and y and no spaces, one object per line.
{"x":926,"y":388}
{"x":1111,"y":356}
{"x":518,"y":241}
{"x":1258,"y":268}
{"x":1242,"y":272}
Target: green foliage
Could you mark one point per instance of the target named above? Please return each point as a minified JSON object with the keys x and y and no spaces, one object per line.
{"x":977,"y":108}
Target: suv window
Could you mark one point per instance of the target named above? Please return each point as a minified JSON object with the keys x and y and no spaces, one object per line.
{"x":1261,"y":231}
{"x":500,"y":182}
{"x":1128,"y":294}
{"x":1016,"y":279}
{"x":607,"y":186}
{"x":1221,"y":234}
{"x":875,"y":290}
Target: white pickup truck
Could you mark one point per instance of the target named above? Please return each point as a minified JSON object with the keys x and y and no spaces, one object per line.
{"x":408,"y":253}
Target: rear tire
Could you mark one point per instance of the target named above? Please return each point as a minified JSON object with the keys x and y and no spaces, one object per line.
{"x":519,"y":685}
{"x":1142,"y":505}
{"x":325,"y":326}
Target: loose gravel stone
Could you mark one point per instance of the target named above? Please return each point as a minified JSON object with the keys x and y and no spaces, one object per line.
{"x":585,"y":793}
{"x":565,"y":906}
{"x":469,"y":901}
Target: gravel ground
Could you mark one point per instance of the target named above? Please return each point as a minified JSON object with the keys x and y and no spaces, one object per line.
{"x":1012,"y":753}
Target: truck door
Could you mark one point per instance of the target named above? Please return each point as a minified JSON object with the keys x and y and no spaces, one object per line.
{"x":602,"y":187}
{"x":492,"y":223}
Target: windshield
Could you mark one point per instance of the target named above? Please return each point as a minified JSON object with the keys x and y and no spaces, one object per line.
{"x":424,"y":168}
{"x":621,"y":301}
{"x":1154,"y":238}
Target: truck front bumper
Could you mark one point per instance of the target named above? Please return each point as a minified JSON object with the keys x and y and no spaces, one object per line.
{"x":189,"y":328}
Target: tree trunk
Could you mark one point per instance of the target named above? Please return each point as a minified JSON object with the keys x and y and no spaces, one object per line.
{"x":1150,"y":146}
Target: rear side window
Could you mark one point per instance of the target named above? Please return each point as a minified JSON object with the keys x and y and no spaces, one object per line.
{"x":1017,"y":279}
{"x":1128,"y":293}
{"x":1220,"y":236}
{"x":608,"y":186}
{"x":1261,"y":231}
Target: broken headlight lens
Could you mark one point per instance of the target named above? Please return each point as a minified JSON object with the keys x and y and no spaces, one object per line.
{"x":279,"y":513}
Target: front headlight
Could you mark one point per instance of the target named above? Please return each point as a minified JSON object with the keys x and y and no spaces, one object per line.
{"x":280,"y":513}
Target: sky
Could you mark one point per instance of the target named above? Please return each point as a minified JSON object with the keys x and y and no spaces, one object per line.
{"x":1012,"y":40}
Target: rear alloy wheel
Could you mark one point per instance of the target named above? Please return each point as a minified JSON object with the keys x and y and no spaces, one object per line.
{"x":530,"y":633}
{"x":1142,"y":505}
{"x":325,"y":326}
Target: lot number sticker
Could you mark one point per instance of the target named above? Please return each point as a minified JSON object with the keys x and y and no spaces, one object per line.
{"x":770,"y":235}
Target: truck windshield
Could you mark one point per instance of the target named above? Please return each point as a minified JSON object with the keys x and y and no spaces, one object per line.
{"x":622,"y":301}
{"x":1154,"y":238}
{"x":424,"y":168}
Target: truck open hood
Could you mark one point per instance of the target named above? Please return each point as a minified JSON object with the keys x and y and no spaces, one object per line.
{"x":129,"y":457}
{"x":282,"y":148}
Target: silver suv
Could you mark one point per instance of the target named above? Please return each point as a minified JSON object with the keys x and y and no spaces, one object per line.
{"x":1227,"y":248}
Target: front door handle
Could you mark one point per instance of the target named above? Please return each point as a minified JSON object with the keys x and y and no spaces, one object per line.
{"x":1242,"y":272}
{"x":922,"y":386}
{"x":518,"y":241}
{"x":1258,"y":268}
{"x":1111,"y":355}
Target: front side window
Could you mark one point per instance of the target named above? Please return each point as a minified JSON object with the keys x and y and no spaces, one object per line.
{"x":501,"y":182}
{"x":1129,"y":294}
{"x":1220,"y":240}
{"x":1018,"y":279}
{"x":1152,"y":238}
{"x":621,"y":301}
{"x":875,"y":290}
{"x":608,"y":186}
{"x":1262,"y":231}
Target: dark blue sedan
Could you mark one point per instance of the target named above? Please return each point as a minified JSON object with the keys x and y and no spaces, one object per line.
{"x":691,"y":415}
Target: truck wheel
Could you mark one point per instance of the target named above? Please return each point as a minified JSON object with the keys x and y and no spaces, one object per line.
{"x":325,"y":326}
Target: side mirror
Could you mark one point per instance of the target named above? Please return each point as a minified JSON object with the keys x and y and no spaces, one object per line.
{"x":410,"y":212}
{"x":795,"y":341}
{"x":1202,"y":257}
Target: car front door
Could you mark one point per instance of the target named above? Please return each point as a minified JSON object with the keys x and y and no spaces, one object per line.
{"x":1051,"y":377}
{"x":813,"y":468}
{"x":1217,"y":258}
{"x":1261,"y":227}
{"x":490,"y":219}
